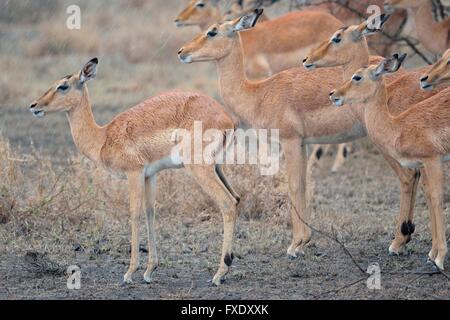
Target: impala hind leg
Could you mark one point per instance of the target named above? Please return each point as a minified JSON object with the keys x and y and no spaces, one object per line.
{"x":434,"y":190}
{"x":207,"y":178}
{"x":341,"y":156}
{"x":297,"y":167}
{"x":150,"y":199}
{"x":136,"y":189}
{"x":409,"y":180}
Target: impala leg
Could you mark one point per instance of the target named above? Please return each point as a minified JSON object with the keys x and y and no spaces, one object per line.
{"x":341,"y":156}
{"x":210,"y":182}
{"x":296,"y":159}
{"x":150,"y":199}
{"x":409,"y":180}
{"x":433,"y":184}
{"x":136,"y":187}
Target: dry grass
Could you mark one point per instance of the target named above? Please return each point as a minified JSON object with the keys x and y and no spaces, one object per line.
{"x":59,"y":41}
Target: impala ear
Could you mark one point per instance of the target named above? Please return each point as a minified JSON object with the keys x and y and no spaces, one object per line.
{"x":375,"y":24}
{"x":89,"y":71}
{"x":249,"y":20}
{"x":389,"y":65}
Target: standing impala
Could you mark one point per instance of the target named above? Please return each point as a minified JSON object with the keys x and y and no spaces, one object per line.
{"x":271,"y":46}
{"x":139,"y":143}
{"x":417,"y":138}
{"x":435,"y":36}
{"x":291,"y":101}
{"x":348,"y":48}
{"x":439,"y":73}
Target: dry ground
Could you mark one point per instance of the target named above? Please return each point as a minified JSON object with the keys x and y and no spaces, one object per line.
{"x":57,"y":210}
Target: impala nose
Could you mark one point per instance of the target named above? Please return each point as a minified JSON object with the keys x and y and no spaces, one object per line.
{"x":180,"y":51}
{"x":332,"y":92}
{"x":32,"y":106}
{"x":424,"y":79}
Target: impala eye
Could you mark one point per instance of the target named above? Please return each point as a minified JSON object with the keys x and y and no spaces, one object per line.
{"x":63,"y":87}
{"x":212,"y":33}
{"x":336,"y":40}
{"x":357,"y":78}
{"x":200,"y":5}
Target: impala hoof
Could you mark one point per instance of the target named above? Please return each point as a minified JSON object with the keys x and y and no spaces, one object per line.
{"x":127,"y":280}
{"x":217,"y":281}
{"x":148,"y":275}
{"x":393,"y":252}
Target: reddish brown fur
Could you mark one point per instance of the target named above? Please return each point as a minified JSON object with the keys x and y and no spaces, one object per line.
{"x":435,"y":36}
{"x":140,"y":139}
{"x":291,"y":101}
{"x":419,"y":136}
{"x":274,"y":45}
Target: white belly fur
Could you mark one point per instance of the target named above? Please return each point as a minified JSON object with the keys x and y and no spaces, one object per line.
{"x":163,"y":164}
{"x":417,"y":164}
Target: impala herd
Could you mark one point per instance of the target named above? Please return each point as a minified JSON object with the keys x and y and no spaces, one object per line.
{"x":340,"y":94}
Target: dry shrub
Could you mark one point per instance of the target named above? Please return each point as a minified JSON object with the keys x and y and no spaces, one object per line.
{"x":14,"y":11}
{"x":60,"y":40}
{"x":34,"y":191}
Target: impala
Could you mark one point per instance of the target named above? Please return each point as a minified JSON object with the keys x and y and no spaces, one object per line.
{"x":139,"y":143}
{"x":348,"y":48}
{"x":291,"y":101}
{"x":271,"y":46}
{"x":417,"y":138}
{"x":349,"y":12}
{"x":435,"y":36}
{"x":439,"y":73}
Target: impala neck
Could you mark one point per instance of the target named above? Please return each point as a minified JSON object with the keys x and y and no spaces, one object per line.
{"x":377,"y":114}
{"x":358,"y":60}
{"x":238,"y":93}
{"x":87,"y":135}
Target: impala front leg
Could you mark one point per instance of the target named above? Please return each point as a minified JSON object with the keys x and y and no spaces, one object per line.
{"x":434,"y":190}
{"x":150,"y":198}
{"x":297,"y":163}
{"x":136,"y":189}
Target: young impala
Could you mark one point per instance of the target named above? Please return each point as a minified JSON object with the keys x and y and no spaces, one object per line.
{"x":291,"y":101}
{"x":348,"y":48}
{"x":417,"y":138}
{"x":271,"y":46}
{"x":439,"y":73}
{"x":435,"y":36}
{"x":139,"y":143}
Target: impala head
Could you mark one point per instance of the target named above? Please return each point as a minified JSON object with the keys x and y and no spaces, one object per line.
{"x":343,"y":45}
{"x":391,"y":5}
{"x":217,"y":42}
{"x":65,"y":94}
{"x":439,"y":73}
{"x":366,"y":82}
{"x":198,"y":13}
